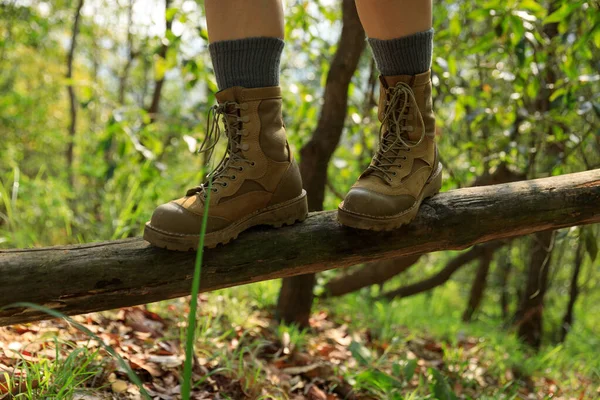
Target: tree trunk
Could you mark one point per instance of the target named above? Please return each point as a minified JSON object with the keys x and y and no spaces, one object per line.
{"x":479,"y":285}
{"x":100,"y":276}
{"x":296,"y":294}
{"x":295,"y":300}
{"x":162,"y":53}
{"x":574,"y":291}
{"x":504,"y":268}
{"x":72,"y":96}
{"x":130,"y":55}
{"x":529,"y":316}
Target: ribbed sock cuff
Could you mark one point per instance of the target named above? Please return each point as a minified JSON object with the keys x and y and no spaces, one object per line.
{"x":408,"y":55}
{"x":249,"y":62}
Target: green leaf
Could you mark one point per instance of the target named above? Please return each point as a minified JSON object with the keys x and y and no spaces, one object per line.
{"x":170,"y":14}
{"x":379,"y":379}
{"x":562,"y":13}
{"x":557,"y":93}
{"x":534,"y":6}
{"x":160,"y":68}
{"x":360,"y":353}
{"x":484,"y":43}
{"x":596,"y":108}
{"x":591,"y":244}
{"x":396,"y":370}
{"x":409,"y":369}
{"x":441,"y":388}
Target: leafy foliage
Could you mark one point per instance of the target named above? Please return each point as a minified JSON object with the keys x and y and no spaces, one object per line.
{"x":516,"y":85}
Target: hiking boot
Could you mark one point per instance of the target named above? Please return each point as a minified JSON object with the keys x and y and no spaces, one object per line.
{"x":257,"y":181}
{"x":405,"y":170}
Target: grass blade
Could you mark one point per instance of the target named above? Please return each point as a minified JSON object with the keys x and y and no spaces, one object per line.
{"x":186,"y":385}
{"x":132,"y":376}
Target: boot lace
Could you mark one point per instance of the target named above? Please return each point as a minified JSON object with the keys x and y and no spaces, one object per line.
{"x":231,"y":161}
{"x":394,"y":143}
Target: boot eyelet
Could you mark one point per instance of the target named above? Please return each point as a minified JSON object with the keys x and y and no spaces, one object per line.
{"x":240,"y":169}
{"x":252,"y":164}
{"x":245,"y":118}
{"x":233,"y":177}
{"x":394,"y":173}
{"x":244,"y":106}
{"x":225,"y":184}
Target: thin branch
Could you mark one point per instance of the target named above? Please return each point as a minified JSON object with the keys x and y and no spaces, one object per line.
{"x":446,"y":273}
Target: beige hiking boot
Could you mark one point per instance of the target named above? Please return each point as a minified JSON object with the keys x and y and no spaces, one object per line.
{"x":256,"y":183}
{"x":405,"y":170}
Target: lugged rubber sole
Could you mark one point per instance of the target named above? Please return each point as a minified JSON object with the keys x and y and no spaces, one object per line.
{"x":278,"y":215}
{"x":388,"y":223}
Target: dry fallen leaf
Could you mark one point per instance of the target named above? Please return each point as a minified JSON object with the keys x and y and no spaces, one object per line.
{"x":166,"y":361}
{"x":119,"y":386}
{"x":314,"y":393}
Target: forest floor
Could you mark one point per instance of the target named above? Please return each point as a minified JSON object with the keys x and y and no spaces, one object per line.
{"x":357,"y":348}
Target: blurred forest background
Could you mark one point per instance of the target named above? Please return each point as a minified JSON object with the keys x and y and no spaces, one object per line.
{"x":103,"y":104}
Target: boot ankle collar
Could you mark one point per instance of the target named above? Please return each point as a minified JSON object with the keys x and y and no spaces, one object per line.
{"x":240,"y":94}
{"x":412,"y":80}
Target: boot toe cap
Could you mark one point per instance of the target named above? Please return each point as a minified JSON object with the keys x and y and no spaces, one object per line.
{"x":171,"y":217}
{"x":176,"y":219}
{"x":367,"y":202}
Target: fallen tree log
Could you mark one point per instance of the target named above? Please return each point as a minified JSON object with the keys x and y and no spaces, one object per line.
{"x":100,"y":276}
{"x":368,"y":274}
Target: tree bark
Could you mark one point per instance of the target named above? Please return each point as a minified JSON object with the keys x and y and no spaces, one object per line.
{"x":479,"y":285}
{"x":296,"y":294}
{"x":130,"y":55}
{"x":71,"y":93}
{"x":573,"y":292}
{"x":100,"y":276}
{"x":504,"y":268}
{"x":529,"y":316}
{"x":162,"y":53}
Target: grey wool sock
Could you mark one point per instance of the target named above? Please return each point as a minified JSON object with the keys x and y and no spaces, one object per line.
{"x":408,"y":55}
{"x":250,"y":62}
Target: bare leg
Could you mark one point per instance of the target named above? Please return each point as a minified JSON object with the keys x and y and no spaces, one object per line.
{"x":389,"y":19}
{"x":238,"y":19}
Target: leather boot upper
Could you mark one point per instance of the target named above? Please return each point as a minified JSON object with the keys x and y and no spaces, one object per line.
{"x":257,"y":170}
{"x":407,"y":153}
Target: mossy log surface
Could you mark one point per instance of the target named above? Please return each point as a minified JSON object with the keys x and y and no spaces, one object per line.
{"x":99,"y":276}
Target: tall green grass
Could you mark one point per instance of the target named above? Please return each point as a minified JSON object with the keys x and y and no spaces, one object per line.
{"x":124,"y":365}
{"x":186,"y":385}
